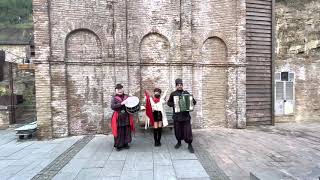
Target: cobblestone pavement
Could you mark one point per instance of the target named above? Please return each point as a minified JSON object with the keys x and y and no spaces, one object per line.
{"x":284,"y":151}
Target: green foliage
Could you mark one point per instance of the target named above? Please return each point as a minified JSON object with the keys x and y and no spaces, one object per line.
{"x":14,"y":12}
{"x":4,"y":91}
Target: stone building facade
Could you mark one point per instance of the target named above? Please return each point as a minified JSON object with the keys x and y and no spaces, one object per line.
{"x":83,"y":48}
{"x":298,"y":55}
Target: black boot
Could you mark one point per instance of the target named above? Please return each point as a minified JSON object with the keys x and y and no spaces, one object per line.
{"x":191,"y":150}
{"x":159,"y":135}
{"x":155,"y":136}
{"x":126,"y":146}
{"x":178,"y":145}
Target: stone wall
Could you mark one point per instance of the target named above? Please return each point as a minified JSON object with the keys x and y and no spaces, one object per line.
{"x":83,"y":48}
{"x":298,"y":51}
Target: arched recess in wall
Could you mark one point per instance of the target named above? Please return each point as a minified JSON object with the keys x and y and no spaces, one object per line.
{"x":154,"y":58}
{"x":214,"y":82}
{"x":83,"y":45}
{"x":84,"y":82}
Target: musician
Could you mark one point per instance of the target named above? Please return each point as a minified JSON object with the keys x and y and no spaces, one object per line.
{"x":159,"y":115}
{"x":121,"y":121}
{"x":182,"y":125}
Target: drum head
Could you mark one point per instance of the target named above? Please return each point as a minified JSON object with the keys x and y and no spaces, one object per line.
{"x":132,"y":102}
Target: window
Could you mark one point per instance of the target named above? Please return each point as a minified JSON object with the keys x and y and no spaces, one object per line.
{"x":284,"y":93}
{"x":32,"y":51}
{"x":284,"y":76}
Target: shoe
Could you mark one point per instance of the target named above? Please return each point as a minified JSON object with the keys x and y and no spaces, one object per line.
{"x":118,"y":149}
{"x":157,"y":143}
{"x":191,"y":150}
{"x":178,"y":145}
{"x":126,"y":146}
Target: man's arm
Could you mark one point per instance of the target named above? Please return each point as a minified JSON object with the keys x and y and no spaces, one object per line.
{"x":194,"y":101}
{"x":114,"y":104}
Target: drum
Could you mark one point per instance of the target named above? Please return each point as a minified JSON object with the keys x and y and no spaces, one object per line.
{"x":183,"y":103}
{"x":133,"y":104}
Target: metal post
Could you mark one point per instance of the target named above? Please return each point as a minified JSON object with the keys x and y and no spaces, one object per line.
{"x":12,"y":101}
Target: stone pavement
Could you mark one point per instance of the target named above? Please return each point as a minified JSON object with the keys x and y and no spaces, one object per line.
{"x":25,"y":159}
{"x":284,"y":151}
{"x":99,"y":160}
{"x":93,"y":157}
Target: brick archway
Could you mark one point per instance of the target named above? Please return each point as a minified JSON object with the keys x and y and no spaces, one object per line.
{"x":214,"y":82}
{"x":84,"y":83}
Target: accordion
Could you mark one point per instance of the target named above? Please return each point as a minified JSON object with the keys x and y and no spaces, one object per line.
{"x":183,"y":103}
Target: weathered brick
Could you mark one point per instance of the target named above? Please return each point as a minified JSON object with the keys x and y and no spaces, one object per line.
{"x":85,"y":47}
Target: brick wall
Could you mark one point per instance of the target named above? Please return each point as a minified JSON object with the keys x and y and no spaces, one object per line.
{"x":92,"y":45}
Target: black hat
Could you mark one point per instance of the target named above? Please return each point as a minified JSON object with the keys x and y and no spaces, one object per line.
{"x":178,"y":81}
{"x":119,"y":86}
{"x":157,"y":90}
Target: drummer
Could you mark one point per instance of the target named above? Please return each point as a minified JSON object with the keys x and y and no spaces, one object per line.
{"x":182,"y":124}
{"x":121,"y":121}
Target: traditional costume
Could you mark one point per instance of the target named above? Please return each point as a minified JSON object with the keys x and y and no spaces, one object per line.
{"x":122,"y":123}
{"x":155,"y":112}
{"x":182,"y":120}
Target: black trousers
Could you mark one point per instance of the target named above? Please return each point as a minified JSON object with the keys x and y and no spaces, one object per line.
{"x":183,"y":131}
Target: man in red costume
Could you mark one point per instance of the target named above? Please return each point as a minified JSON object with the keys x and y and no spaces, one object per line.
{"x":122,"y":123}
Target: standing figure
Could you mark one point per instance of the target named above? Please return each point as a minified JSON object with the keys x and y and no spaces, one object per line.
{"x":182,"y":120}
{"x":159,"y":116}
{"x":122,"y":123}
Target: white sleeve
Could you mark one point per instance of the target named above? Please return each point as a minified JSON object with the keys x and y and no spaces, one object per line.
{"x":151,"y":101}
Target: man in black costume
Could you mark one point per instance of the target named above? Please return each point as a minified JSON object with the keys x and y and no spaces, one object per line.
{"x":182,"y":120}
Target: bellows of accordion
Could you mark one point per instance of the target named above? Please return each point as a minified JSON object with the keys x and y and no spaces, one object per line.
{"x":183,"y":103}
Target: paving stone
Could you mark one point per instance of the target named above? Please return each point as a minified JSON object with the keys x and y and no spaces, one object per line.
{"x":112,"y":168}
{"x":109,"y":178}
{"x":164,"y":173}
{"x":10,"y":171}
{"x":162,"y":159}
{"x":74,"y":165}
{"x":65,"y":175}
{"x":91,"y":173}
{"x":118,"y":155}
{"x":181,"y":153}
{"x":194,"y":179}
{"x":137,"y":161}
{"x":29,"y":171}
{"x":189,"y":169}
{"x":137,"y":175}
